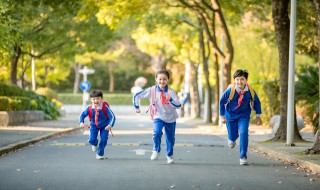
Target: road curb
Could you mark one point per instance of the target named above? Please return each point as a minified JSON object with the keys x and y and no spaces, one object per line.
{"x":21,"y":144}
{"x":283,"y":156}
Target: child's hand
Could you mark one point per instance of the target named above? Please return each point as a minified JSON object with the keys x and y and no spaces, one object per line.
{"x":258,"y":120}
{"x":168,"y":97}
{"x":138,"y":110}
{"x":223,"y":119}
{"x":108,"y":127}
{"x":81,"y":125}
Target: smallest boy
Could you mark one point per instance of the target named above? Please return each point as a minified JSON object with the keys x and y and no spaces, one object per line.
{"x":101,"y":119}
{"x":236,"y":112}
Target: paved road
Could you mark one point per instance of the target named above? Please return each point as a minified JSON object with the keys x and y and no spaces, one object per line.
{"x":202,"y":162}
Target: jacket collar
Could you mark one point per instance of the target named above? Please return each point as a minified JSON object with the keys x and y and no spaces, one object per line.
{"x":239,"y":90}
{"x":94,"y":107}
{"x":159,"y":89}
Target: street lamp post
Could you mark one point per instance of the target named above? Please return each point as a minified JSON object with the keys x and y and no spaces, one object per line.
{"x":290,"y":110}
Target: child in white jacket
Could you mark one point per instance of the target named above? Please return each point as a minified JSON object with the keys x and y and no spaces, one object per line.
{"x":165,"y":103}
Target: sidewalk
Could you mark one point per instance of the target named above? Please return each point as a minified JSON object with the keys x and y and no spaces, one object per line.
{"x":276,"y":150}
{"x":14,"y":138}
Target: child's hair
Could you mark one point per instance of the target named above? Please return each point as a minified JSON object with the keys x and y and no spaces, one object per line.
{"x":240,"y":73}
{"x":163,"y":71}
{"x":96,"y":93}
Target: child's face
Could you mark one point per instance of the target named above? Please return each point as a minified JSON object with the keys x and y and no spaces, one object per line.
{"x":96,"y":101}
{"x":240,"y":82}
{"x":162,"y":80}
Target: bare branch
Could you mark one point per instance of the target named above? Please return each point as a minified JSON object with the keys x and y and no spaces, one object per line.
{"x":48,"y":51}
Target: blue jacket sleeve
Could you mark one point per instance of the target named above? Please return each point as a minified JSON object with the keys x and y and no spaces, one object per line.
{"x":223,"y":101}
{"x":146,"y":93}
{"x":257,"y":104}
{"x":174,"y":101}
{"x":112,"y":117}
{"x":83,"y":115}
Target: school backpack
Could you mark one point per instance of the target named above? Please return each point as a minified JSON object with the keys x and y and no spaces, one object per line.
{"x":104,"y":109}
{"x":152,"y":108}
{"x":231,"y":95}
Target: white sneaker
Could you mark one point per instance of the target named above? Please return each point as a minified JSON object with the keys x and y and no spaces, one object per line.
{"x":94,"y":148}
{"x":155,"y":155}
{"x":170,"y":159}
{"x":231,"y":144}
{"x":243,"y":161}
{"x":98,"y":157}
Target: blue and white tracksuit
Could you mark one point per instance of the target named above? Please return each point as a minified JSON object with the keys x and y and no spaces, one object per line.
{"x":238,"y":119}
{"x":165,"y":116}
{"x":103,"y":122}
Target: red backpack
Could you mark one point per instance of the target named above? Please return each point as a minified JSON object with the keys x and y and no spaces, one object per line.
{"x":104,"y":109}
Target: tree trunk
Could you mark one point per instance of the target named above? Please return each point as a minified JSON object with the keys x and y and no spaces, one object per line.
{"x":158,"y":62}
{"x":229,"y":51}
{"x":111,"y":74}
{"x":316,"y":146}
{"x":194,"y":92}
{"x":23,"y":71}
{"x":217,"y":96}
{"x":208,"y":111}
{"x":282,"y":29}
{"x":76,"y":83}
{"x":14,"y":64}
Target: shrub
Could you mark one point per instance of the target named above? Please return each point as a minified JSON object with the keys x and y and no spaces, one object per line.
{"x":307,"y":92}
{"x":47,"y":92}
{"x":57,"y":103}
{"x":30,"y":100}
{"x":11,"y":90}
{"x":4,"y":103}
{"x":19,"y":103}
{"x":15,"y":104}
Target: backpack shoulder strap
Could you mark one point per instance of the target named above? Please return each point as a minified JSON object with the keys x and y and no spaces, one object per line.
{"x":153,"y":93}
{"x":232,"y":91}
{"x":251,"y":92}
{"x":90,"y":112}
{"x":104,"y":109}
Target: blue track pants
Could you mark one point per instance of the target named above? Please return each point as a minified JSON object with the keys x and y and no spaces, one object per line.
{"x":170,"y":129}
{"x":93,"y":139}
{"x":241,"y":127}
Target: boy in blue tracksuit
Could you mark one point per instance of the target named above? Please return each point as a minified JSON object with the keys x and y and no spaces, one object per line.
{"x":102,"y":120}
{"x":236,"y":112}
{"x":165,"y":103}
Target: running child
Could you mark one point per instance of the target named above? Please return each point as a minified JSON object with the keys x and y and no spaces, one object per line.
{"x":235,"y":112}
{"x":163,"y":112}
{"x":101,"y":119}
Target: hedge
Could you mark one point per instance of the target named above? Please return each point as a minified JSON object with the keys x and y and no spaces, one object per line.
{"x":15,"y":103}
{"x":15,"y":98}
{"x":112,"y":99}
